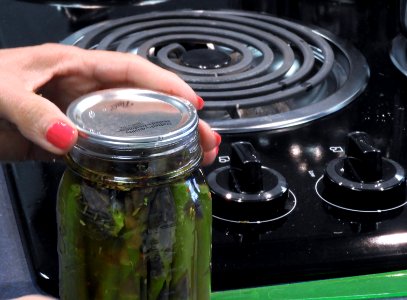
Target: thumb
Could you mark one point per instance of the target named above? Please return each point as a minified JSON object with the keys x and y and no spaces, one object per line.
{"x":40,"y":121}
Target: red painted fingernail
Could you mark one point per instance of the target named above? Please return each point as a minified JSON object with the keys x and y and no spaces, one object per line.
{"x":218,"y":138}
{"x":60,"y":135}
{"x":201,"y":103}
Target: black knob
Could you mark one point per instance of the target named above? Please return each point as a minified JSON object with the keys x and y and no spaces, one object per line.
{"x":245,"y":168}
{"x":246,"y":190}
{"x":364,"y":160}
{"x":364,"y":180}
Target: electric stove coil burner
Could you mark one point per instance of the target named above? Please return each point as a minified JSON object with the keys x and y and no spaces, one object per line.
{"x":262,"y":73}
{"x":398,"y":53}
{"x":95,"y":4}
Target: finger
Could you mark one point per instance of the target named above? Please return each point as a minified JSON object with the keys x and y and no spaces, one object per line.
{"x":39,"y":120}
{"x":108,"y":68}
{"x":124,"y":68}
{"x":209,"y":156}
{"x":209,"y":139}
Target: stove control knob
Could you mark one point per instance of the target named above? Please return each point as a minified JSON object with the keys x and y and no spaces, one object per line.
{"x":364,"y":161}
{"x":364,"y":179}
{"x":247,"y":191}
{"x":245,"y":169}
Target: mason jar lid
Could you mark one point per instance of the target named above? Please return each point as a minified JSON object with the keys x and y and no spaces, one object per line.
{"x":124,"y":119}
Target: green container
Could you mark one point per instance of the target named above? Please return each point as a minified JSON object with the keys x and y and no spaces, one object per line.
{"x":134,"y":212}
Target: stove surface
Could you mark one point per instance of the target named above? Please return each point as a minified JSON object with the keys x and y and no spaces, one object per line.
{"x":305,"y":238}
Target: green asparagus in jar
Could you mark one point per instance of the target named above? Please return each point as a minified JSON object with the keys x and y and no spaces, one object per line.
{"x":134,"y":212}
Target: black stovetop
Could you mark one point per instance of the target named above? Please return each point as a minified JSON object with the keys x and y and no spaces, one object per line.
{"x":314,"y":241}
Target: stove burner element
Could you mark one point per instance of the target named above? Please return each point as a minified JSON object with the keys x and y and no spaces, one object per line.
{"x":398,"y":53}
{"x":205,"y":59}
{"x":95,"y":4}
{"x":263,"y":72}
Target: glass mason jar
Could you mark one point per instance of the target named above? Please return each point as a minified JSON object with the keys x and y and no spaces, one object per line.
{"x":134,"y":212}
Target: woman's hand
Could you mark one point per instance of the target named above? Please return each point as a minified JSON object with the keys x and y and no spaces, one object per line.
{"x":37,"y":84}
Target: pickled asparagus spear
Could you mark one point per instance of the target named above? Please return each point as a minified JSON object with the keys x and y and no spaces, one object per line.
{"x":148,"y":246}
{"x":180,"y":286}
{"x":126,"y":278}
{"x":133,"y":259}
{"x":204,"y":237}
{"x":70,"y":243}
{"x":108,"y":283}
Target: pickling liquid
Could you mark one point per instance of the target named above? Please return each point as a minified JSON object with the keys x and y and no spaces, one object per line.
{"x":124,"y":242}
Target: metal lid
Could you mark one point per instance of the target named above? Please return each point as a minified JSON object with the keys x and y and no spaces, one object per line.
{"x":124,"y":119}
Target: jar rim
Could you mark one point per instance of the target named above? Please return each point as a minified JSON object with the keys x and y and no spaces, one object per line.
{"x":129,"y":118}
